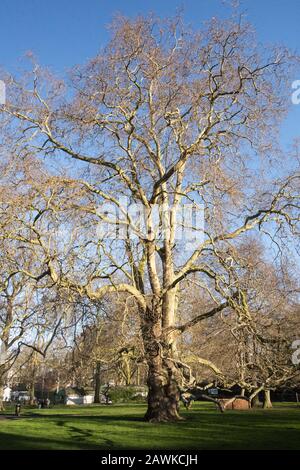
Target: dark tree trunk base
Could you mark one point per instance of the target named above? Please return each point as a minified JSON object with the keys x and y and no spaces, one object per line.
{"x":163,"y":404}
{"x":163,"y":390}
{"x":162,"y":416}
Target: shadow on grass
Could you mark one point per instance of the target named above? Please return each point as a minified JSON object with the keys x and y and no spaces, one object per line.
{"x":87,"y":416}
{"x":124,"y":428}
{"x":17,"y":442}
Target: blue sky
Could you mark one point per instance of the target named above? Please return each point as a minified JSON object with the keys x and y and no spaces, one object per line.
{"x":62,"y":33}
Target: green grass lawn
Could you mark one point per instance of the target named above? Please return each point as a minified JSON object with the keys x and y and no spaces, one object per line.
{"x":122,"y":427}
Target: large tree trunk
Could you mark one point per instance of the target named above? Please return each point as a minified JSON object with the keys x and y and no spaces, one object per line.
{"x":2,"y":383}
{"x":159,"y":343}
{"x":163,"y":390}
{"x":4,"y":349}
{"x":97,"y":382}
{"x":267,"y":399}
{"x":254,"y":397}
{"x":163,"y":395}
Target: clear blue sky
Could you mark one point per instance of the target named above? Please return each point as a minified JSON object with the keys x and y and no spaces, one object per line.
{"x":62,"y":33}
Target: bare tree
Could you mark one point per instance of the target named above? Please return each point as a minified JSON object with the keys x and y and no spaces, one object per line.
{"x":257,"y":356}
{"x":165,"y":118}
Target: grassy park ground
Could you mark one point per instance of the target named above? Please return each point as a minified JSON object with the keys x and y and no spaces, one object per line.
{"x":121,"y":427}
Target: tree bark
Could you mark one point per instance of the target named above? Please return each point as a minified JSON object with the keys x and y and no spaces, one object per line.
{"x":163,"y":390}
{"x":32,"y":384}
{"x":1,"y":394}
{"x":163,"y":387}
{"x":163,"y":395}
{"x":4,"y":348}
{"x":97,"y":382}
{"x":267,"y":399}
{"x":32,"y":392}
